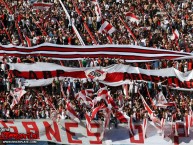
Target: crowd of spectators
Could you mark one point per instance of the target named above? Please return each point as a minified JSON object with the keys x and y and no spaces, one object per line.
{"x":50,"y":24}
{"x":34,"y":104}
{"x":158,"y":19}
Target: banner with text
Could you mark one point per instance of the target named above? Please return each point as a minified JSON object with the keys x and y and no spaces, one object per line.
{"x":42,"y":74}
{"x":68,"y":132}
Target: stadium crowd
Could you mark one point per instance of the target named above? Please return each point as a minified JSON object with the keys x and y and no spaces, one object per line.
{"x":158,"y":20}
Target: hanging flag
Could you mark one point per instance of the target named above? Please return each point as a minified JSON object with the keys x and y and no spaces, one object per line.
{"x":132,"y":17}
{"x":107,"y":27}
{"x":175,"y":35}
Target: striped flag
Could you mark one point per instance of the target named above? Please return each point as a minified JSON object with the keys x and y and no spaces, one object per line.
{"x":155,"y":120}
{"x":187,"y":125}
{"x":17,"y":94}
{"x":96,"y":109}
{"x":102,"y":94}
{"x":175,"y":35}
{"x":107,"y":27}
{"x":28,"y":41}
{"x":71,"y":112}
{"x":128,"y":52}
{"x":144,"y":126}
{"x":88,"y":121}
{"x":85,"y":96}
{"x":132,"y":17}
{"x":42,"y":5}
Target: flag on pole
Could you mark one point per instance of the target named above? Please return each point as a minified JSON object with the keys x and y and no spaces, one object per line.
{"x":144,"y":126}
{"x":88,"y":121}
{"x":17,"y":94}
{"x":106,"y":27}
{"x":95,"y":110}
{"x":155,"y":120}
{"x":132,"y":17}
{"x":187,"y":125}
{"x":71,"y":112}
{"x":175,"y":35}
{"x":42,"y":5}
{"x":28,"y":41}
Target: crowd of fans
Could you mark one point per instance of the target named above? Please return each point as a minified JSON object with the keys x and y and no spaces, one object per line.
{"x":50,"y":24}
{"x":158,"y":19}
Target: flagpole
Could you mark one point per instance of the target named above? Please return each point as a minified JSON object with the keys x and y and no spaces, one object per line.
{"x":128,"y":29}
{"x":85,"y":25}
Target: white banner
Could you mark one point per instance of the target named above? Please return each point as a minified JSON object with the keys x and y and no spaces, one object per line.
{"x":68,"y":132}
{"x":130,"y":53}
{"x":41,"y":74}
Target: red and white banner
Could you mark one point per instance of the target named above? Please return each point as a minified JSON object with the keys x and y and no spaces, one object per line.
{"x":42,"y":5}
{"x":130,"y":53}
{"x":42,"y":74}
{"x":69,"y":132}
{"x":107,"y":27}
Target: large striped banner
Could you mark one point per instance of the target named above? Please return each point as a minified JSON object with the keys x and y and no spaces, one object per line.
{"x":41,"y":74}
{"x":70,"y":132}
{"x":130,"y":53}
